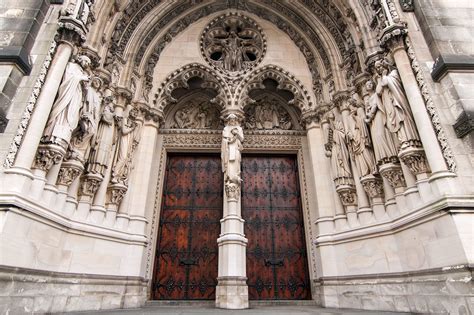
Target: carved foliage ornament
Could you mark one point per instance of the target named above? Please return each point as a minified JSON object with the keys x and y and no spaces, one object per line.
{"x":233,"y":43}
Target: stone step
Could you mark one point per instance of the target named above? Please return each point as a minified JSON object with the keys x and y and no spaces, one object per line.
{"x":283,"y":303}
{"x":181,"y":303}
{"x":201,"y":303}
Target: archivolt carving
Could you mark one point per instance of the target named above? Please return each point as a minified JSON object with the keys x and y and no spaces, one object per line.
{"x":285,"y":80}
{"x":180,"y":79}
{"x":233,"y":42}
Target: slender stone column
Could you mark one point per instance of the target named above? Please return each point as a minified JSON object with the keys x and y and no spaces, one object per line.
{"x":322,"y":181}
{"x":72,"y":31}
{"x":232,"y":290}
{"x":432,"y":158}
{"x":142,"y":172}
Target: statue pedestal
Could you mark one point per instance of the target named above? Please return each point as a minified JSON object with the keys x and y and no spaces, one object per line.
{"x":232,"y":290}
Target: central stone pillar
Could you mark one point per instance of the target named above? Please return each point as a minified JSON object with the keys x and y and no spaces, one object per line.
{"x":232,"y":289}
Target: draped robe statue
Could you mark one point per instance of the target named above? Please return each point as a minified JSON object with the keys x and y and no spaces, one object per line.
{"x":128,"y":140}
{"x":399,"y":118}
{"x":232,"y":137}
{"x":383,"y":141}
{"x":64,"y":116}
{"x":339,"y":152}
{"x":360,"y":143}
{"x":102,"y":142}
{"x":88,"y":123}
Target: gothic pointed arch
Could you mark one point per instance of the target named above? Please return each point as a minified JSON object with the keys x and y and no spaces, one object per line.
{"x":189,"y":79}
{"x":277,"y":80}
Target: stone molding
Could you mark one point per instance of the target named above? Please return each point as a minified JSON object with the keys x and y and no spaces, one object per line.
{"x":25,"y":207}
{"x":464,"y":125}
{"x":451,"y":63}
{"x":436,"y":208}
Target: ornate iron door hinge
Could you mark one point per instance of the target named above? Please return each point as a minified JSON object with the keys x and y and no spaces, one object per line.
{"x":188,"y":262}
{"x":274,"y":262}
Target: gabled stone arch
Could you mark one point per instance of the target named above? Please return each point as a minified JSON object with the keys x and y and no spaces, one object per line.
{"x":187,"y":79}
{"x":286,"y":82}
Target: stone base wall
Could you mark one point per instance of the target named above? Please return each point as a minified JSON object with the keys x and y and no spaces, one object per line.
{"x":441,"y":291}
{"x":34,"y":291}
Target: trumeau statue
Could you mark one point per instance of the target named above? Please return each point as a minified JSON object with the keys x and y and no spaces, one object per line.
{"x":385,"y":148}
{"x":359,"y":141}
{"x":337,"y":150}
{"x":232,"y":137}
{"x":103,"y":141}
{"x":194,"y":115}
{"x":398,"y":115}
{"x":88,"y":122}
{"x":128,"y":139}
{"x":64,"y":116}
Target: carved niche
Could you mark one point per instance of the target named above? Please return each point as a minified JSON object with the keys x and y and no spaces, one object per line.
{"x":194,"y":113}
{"x":269,"y":113}
{"x":233,"y":43}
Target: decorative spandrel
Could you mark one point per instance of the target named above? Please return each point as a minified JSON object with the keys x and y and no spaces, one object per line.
{"x":233,"y":43}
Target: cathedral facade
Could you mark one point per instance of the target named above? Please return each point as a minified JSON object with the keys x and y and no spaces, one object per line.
{"x":235,"y":151}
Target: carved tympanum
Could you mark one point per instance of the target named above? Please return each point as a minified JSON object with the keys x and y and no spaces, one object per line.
{"x":196,"y":115}
{"x":233,"y":43}
{"x":267,"y":114}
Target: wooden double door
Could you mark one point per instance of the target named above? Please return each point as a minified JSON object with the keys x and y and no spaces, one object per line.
{"x":186,"y":258}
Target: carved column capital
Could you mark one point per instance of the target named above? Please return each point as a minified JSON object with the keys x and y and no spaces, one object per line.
{"x":392,"y":37}
{"x":123,"y":96}
{"x":90,"y":184}
{"x":394,"y":174}
{"x":415,"y":159}
{"x":232,"y":191}
{"x":151,"y":115}
{"x":373,"y":186}
{"x":116,"y":192}
{"x":69,"y":171}
{"x":347,"y":194}
{"x":47,"y":156}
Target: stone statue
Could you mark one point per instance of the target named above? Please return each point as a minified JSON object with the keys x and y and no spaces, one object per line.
{"x":64,"y":116}
{"x":233,"y":54}
{"x":88,"y":122}
{"x":128,"y":139}
{"x":337,"y":149}
{"x":399,"y":119}
{"x":103,"y":141}
{"x":384,"y":144}
{"x":266,"y":116}
{"x":360,"y":143}
{"x":232,"y":137}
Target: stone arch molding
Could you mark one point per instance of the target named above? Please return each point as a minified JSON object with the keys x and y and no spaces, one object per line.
{"x":229,"y":95}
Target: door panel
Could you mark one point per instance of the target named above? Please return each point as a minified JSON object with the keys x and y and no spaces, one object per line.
{"x":186,"y":256}
{"x":271,"y":206}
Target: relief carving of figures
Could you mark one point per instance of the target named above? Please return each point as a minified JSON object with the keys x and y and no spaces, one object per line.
{"x":360,"y":143}
{"x":267,"y":115}
{"x":385,"y":148}
{"x":88,"y":122}
{"x":337,"y":150}
{"x":232,"y":138}
{"x":398,"y":115}
{"x":103,"y":141}
{"x":202,"y":115}
{"x":128,"y":140}
{"x":64,"y":116}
